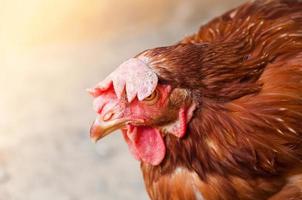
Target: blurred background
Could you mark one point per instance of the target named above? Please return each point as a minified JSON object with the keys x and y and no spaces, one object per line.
{"x":50,"y":51}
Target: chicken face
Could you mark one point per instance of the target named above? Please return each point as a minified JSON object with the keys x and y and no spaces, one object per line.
{"x":131,"y":99}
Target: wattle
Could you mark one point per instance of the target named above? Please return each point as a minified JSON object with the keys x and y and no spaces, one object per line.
{"x":145,"y":143}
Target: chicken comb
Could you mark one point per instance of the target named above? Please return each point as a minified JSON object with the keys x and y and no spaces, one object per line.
{"x":132,"y":76}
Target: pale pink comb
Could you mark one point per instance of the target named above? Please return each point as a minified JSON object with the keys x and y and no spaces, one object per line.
{"x":134,"y":75}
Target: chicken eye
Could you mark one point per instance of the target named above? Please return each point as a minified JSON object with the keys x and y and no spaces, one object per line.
{"x":152,"y":98}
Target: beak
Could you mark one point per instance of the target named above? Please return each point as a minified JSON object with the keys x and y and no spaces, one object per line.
{"x":100,"y":129}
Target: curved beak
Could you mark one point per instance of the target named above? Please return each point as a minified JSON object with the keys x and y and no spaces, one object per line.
{"x":100,"y":129}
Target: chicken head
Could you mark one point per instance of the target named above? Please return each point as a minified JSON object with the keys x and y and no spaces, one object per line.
{"x":133,"y":99}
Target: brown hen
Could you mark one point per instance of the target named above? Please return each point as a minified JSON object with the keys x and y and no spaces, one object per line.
{"x":217,"y":116}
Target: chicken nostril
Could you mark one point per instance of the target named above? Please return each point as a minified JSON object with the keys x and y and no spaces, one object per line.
{"x":108,"y":116}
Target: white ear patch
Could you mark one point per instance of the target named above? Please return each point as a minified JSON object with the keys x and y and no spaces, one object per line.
{"x":134,"y":77}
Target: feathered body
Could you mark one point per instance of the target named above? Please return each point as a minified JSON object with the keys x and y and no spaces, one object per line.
{"x":217,"y":116}
{"x":244,"y":141}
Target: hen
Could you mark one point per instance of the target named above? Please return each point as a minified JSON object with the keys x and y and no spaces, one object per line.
{"x":218,"y":115}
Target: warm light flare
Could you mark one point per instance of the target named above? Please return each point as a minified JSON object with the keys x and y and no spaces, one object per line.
{"x":32,"y":22}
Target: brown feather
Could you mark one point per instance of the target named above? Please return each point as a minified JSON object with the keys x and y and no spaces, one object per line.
{"x":244,"y":70}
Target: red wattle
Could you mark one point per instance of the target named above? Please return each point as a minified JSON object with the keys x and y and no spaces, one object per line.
{"x":146,"y":144}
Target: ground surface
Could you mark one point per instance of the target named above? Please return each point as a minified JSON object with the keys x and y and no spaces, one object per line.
{"x":45,"y":151}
